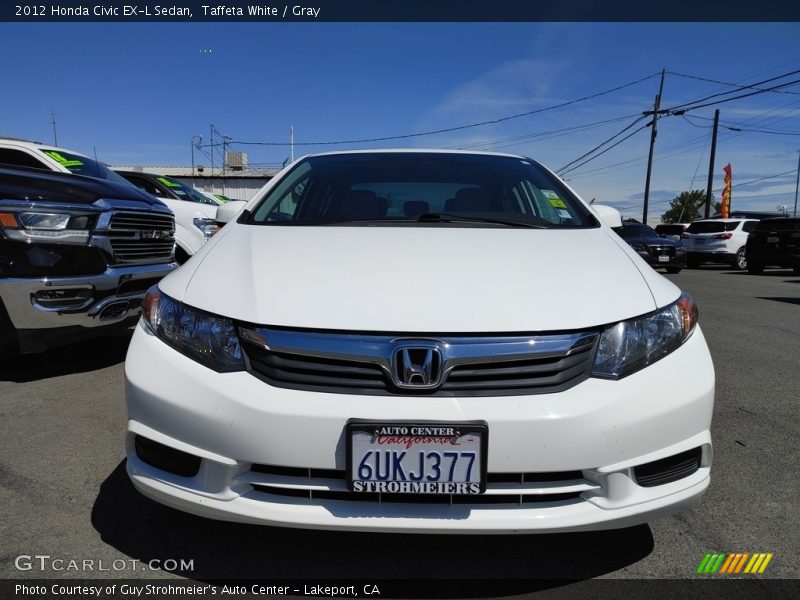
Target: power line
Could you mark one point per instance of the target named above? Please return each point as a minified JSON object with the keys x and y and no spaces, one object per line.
{"x":614,"y":145}
{"x":736,"y":85}
{"x":758,"y":91}
{"x":541,"y":135}
{"x":457,"y":128}
{"x":679,"y":110}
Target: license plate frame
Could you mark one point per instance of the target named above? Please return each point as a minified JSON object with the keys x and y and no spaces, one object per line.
{"x":477,"y":427}
{"x":663,"y":258}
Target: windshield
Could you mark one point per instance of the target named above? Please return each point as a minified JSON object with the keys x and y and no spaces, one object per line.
{"x":399,"y":188}
{"x":183,"y":191}
{"x":637,"y":230}
{"x":83,"y":165}
{"x":712,"y":226}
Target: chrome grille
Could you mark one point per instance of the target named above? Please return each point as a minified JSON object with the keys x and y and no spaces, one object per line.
{"x":501,"y":488}
{"x":471,"y":366}
{"x":141,"y":237}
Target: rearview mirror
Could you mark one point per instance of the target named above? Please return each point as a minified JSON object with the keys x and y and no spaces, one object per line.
{"x":608,"y":215}
{"x":230,"y":210}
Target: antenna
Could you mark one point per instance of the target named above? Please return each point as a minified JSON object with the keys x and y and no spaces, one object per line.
{"x":55,"y":134}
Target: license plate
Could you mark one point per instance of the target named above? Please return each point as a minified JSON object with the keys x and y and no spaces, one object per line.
{"x":663,"y":259}
{"x":417,"y":458}
{"x":773,"y":239}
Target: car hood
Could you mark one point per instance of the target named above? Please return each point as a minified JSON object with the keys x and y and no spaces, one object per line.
{"x":419,"y":279}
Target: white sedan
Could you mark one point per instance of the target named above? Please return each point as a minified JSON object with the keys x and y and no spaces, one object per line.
{"x":420,"y":341}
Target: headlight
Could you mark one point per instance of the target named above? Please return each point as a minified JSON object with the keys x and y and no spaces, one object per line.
{"x":202,"y":336}
{"x":208,"y":226}
{"x":25,"y":225}
{"x":632,"y":345}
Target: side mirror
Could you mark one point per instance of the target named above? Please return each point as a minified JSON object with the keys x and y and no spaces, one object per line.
{"x":608,"y":215}
{"x":229,"y":211}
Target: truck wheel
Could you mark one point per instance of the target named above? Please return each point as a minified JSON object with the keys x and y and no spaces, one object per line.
{"x":692,"y":263}
{"x":673,"y":270}
{"x":755,"y":268}
{"x":8,"y":337}
{"x":739,"y":261}
{"x":796,"y":269}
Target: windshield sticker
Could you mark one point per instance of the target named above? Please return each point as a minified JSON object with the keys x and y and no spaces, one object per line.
{"x":564,"y":214}
{"x":554,"y":199}
{"x":168,"y":183}
{"x":63,"y":160}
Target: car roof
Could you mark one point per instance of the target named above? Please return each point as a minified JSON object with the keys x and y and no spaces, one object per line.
{"x":41,"y":146}
{"x":415,"y":151}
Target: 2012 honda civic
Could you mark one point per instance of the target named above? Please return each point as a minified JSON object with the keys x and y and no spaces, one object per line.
{"x":420,"y":341}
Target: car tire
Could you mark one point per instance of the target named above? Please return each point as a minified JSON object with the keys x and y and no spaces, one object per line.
{"x":796,"y":269}
{"x":8,"y":336}
{"x":692,"y":263}
{"x":674,"y":270}
{"x":755,"y":268}
{"x":739,"y":262}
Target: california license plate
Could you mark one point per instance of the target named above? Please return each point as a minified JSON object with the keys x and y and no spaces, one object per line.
{"x":417,"y":458}
{"x":663,"y":259}
{"x":773,"y":239}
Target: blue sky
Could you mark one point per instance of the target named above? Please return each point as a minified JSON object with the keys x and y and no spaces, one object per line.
{"x":139,"y":92}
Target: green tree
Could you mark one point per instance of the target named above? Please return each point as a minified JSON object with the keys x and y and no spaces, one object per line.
{"x":688,"y":206}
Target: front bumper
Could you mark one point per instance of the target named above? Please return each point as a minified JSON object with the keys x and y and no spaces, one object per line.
{"x":37,"y":305}
{"x":677,"y":261}
{"x":603,"y":429}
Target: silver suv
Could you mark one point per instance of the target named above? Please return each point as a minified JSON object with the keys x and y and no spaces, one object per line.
{"x":718,"y":241}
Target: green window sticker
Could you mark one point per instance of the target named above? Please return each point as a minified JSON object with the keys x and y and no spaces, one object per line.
{"x":554,"y":199}
{"x":168,"y":183}
{"x":63,"y":160}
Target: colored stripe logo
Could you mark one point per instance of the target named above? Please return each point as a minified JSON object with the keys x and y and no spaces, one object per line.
{"x":732,"y":563}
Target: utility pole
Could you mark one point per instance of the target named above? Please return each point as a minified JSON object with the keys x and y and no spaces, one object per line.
{"x":211,"y":130}
{"x":291,"y":142}
{"x":711,"y":163}
{"x":797,"y":183}
{"x":55,"y":134}
{"x":653,"y":133}
{"x":196,"y":141}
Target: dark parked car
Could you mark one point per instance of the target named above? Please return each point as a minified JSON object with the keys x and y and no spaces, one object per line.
{"x":658,"y":251}
{"x":774,"y":242}
{"x":76,"y":256}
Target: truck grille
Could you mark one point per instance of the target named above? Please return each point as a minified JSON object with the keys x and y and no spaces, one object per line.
{"x":141,"y":237}
{"x":363,"y":364}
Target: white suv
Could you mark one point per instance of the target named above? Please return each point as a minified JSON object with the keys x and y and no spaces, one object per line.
{"x":718,"y":241}
{"x":420,"y":341}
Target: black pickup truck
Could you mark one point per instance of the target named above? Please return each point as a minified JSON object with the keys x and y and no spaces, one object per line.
{"x":774,"y":242}
{"x":76,"y":256}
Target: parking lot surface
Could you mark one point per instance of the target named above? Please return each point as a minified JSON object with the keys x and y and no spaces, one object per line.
{"x":64,"y":490}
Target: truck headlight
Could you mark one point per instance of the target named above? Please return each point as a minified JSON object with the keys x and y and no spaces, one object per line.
{"x":25,"y":225}
{"x":209,"y":339}
{"x":629,"y":346}
{"x":208,"y":226}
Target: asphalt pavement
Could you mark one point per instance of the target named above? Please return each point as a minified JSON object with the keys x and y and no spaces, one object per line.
{"x":64,"y":492}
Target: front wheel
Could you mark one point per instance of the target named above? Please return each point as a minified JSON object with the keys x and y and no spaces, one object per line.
{"x":673,"y":270}
{"x":739,"y":261}
{"x":692,"y":263}
{"x":796,"y":269}
{"x":755,"y":268}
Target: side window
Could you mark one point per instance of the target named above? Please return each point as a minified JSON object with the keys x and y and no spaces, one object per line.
{"x":147,"y":185}
{"x":18,"y":158}
{"x":749,"y":226}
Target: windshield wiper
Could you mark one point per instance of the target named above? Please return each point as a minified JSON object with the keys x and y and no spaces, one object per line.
{"x":449,"y":218}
